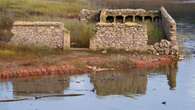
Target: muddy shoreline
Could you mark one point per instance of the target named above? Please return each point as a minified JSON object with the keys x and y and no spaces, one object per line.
{"x":87,"y":64}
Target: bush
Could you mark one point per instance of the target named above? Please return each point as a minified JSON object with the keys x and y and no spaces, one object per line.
{"x":80,"y":32}
{"x":5,"y":28}
{"x":155,"y":32}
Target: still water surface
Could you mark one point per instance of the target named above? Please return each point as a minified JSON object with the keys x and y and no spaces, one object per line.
{"x":117,"y":90}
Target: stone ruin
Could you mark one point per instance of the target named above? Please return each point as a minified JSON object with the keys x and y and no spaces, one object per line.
{"x":125,"y":29}
{"x":40,"y":34}
{"x":115,"y":29}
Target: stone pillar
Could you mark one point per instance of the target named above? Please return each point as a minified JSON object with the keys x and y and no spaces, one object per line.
{"x":152,"y":18}
{"x":124,"y":19}
{"x":114,"y":19}
{"x":133,"y":18}
{"x":143,"y":18}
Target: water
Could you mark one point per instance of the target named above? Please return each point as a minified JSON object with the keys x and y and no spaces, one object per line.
{"x":117,"y":90}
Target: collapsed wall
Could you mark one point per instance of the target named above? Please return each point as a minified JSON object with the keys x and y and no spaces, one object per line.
{"x":40,"y":34}
{"x":128,"y":36}
{"x":168,"y":46}
{"x":169,"y":26}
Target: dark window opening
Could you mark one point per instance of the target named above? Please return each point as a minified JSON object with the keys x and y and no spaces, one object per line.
{"x":129,"y":19}
{"x":110,"y":19}
{"x":138,"y":18}
{"x":157,"y":19}
{"x":119,"y":19}
{"x":148,"y":19}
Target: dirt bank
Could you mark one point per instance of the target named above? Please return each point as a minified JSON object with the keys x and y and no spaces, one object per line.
{"x":77,"y":62}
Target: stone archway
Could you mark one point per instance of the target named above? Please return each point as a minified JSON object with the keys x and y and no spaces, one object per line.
{"x":138,"y":18}
{"x":109,"y":19}
{"x":129,"y":19}
{"x":148,"y":19}
{"x":119,"y":19}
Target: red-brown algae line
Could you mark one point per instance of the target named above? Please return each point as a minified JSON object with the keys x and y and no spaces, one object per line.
{"x":69,"y":69}
{"x":153,"y":63}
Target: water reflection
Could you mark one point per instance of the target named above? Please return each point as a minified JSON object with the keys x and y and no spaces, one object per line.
{"x":38,"y":86}
{"x":171,"y":76}
{"x":131,"y":83}
{"x":120,"y":83}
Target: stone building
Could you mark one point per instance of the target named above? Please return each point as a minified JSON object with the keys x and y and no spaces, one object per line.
{"x":40,"y":34}
{"x":126,"y":29}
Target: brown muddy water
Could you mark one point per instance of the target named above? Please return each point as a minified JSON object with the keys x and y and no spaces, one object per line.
{"x":169,"y":88}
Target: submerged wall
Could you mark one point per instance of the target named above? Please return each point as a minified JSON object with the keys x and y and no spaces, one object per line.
{"x":40,"y":34}
{"x":128,"y":36}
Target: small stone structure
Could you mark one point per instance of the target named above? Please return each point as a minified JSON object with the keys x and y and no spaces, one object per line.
{"x":169,"y":26}
{"x":40,"y":34}
{"x":115,"y":30}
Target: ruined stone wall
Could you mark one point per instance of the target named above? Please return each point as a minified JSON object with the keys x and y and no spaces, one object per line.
{"x":115,"y":31}
{"x":129,"y":15}
{"x":128,"y":36}
{"x":40,"y":34}
{"x":169,"y":26}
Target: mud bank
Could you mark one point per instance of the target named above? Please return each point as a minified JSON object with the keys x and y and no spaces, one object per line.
{"x":87,"y":64}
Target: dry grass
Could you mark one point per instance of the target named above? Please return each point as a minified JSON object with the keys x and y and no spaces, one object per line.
{"x":12,"y":52}
{"x":50,"y":8}
{"x":80,"y":32}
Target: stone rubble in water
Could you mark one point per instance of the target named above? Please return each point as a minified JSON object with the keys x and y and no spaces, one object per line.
{"x":164,"y":47}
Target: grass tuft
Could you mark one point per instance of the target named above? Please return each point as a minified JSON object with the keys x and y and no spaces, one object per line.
{"x":155,"y":32}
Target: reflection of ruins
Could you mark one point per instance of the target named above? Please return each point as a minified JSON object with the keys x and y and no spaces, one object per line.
{"x":106,"y":83}
{"x":171,"y":76}
{"x":130,"y":83}
{"x":118,"y":83}
{"x":43,"y":85}
{"x":171,"y":72}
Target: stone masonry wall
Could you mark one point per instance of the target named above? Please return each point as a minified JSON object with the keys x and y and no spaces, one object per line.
{"x":128,"y":36}
{"x":169,"y":26}
{"x":40,"y":34}
{"x":125,"y":29}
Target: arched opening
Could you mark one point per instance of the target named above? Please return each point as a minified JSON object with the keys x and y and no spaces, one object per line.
{"x":109,"y":19}
{"x":157,"y":19}
{"x":129,"y":19}
{"x":138,"y":18}
{"x":119,"y":19}
{"x":148,"y":19}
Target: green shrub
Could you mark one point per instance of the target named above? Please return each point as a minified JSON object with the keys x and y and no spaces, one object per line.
{"x":155,"y":32}
{"x":80,"y":32}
